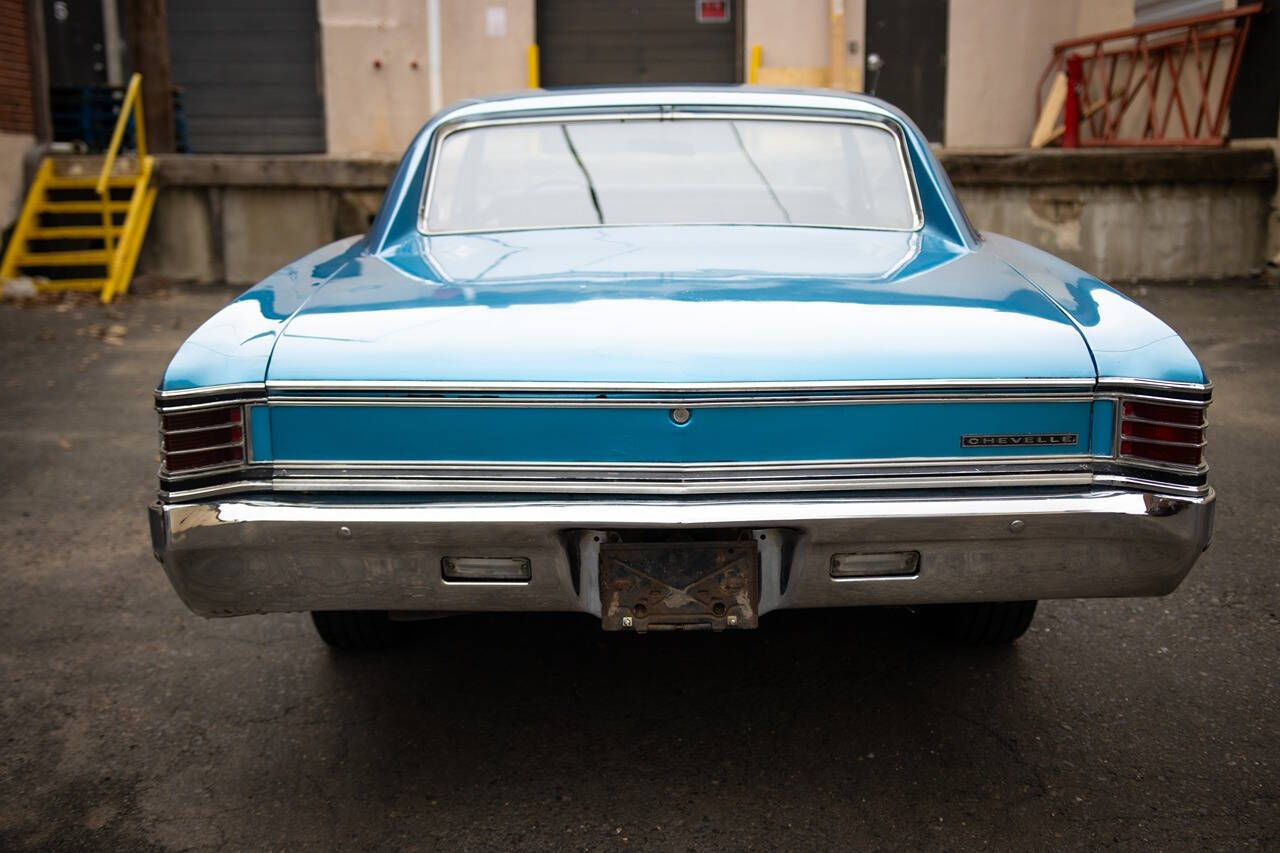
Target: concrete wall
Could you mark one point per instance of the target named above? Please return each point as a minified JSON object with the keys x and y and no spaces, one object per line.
{"x":1152,"y":215}
{"x":1118,"y":214}
{"x":17,"y":107}
{"x":12,"y":148}
{"x":239,"y":218}
{"x":996,"y":51}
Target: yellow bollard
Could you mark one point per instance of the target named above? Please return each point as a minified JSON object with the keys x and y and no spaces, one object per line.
{"x":534,"y":66}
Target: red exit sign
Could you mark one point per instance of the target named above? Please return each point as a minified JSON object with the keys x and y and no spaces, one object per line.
{"x":711,"y":11}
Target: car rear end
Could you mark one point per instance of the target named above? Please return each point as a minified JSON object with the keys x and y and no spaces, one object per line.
{"x":675,"y":359}
{"x":677,"y":507}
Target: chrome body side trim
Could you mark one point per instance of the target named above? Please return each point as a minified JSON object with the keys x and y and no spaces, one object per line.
{"x":423,"y":486}
{"x":209,"y":391}
{"x":1131,"y":383}
{"x":1111,"y":386}
{"x":660,"y":478}
{"x":1122,"y":481}
{"x":684,"y":470}
{"x":659,"y":402}
{"x":274,"y":555}
{"x":650,"y":487}
{"x":447,"y":386}
{"x":175,"y":409}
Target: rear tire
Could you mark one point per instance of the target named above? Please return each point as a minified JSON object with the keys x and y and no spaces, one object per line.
{"x":991,"y":623}
{"x":360,"y":630}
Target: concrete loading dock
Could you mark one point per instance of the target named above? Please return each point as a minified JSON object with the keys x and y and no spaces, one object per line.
{"x":1121,"y":215}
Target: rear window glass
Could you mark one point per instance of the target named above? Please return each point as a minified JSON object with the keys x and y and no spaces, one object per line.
{"x":694,"y":171}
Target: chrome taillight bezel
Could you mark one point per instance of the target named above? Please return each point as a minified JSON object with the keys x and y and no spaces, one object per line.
{"x":1171,"y":431}
{"x":227,"y":428}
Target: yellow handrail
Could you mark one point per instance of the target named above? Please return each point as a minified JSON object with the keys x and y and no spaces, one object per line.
{"x":27,"y":220}
{"x":131,"y":233}
{"x":121,"y":245}
{"x":132,"y":101}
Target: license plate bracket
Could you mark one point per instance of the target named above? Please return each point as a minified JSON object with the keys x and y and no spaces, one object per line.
{"x":673,"y":586}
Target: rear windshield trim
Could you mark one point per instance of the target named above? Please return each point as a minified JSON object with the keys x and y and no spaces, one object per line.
{"x":663,"y":114}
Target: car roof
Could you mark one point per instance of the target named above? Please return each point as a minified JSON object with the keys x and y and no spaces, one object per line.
{"x":613,"y":97}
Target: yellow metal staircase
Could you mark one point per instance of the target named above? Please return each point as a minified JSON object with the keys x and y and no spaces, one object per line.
{"x":78,"y":232}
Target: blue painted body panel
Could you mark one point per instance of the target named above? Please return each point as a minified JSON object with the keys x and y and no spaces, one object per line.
{"x":675,"y":305}
{"x":1103,"y":427}
{"x":1126,"y":340}
{"x":234,"y":345}
{"x":728,"y":434}
{"x":260,"y":434}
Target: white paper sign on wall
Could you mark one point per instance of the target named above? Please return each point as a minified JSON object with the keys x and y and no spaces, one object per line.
{"x":495,"y":22}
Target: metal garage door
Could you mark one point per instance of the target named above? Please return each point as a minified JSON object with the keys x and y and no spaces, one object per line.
{"x":249,"y":73}
{"x":639,"y":41}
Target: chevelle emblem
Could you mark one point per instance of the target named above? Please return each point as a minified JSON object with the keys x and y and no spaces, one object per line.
{"x":1018,"y":440}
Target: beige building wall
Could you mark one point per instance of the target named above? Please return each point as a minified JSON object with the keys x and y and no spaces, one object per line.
{"x":996,"y":51}
{"x":793,"y":37}
{"x":479,"y":60}
{"x":377,"y":64}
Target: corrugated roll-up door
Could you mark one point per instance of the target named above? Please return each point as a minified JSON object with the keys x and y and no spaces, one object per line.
{"x":585,"y":42}
{"x":249,"y":72}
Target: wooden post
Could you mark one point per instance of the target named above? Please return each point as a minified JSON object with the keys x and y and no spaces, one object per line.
{"x":149,"y":55}
{"x":836,"y":71}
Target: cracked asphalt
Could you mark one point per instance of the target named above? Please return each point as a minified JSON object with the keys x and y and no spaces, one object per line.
{"x":128,"y":723}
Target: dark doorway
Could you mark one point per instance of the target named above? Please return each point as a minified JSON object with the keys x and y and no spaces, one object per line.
{"x":910,"y":37}
{"x":76,"y":46}
{"x":586,"y":42}
{"x":1255,"y":104}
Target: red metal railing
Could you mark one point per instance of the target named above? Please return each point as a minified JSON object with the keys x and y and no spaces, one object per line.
{"x":1153,"y":85}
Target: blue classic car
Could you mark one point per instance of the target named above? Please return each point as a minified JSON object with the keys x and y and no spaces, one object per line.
{"x":676,"y":358}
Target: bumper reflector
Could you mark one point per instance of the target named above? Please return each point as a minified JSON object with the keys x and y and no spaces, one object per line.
{"x":892,"y":565}
{"x":486,"y":569}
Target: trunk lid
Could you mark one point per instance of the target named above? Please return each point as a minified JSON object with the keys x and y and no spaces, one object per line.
{"x":678,"y":306}
{"x":563,"y":348}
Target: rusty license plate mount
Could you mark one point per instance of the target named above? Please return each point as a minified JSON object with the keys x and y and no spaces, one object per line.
{"x":674,"y":586}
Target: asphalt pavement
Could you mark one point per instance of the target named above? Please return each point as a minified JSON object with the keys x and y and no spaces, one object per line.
{"x":128,"y":723}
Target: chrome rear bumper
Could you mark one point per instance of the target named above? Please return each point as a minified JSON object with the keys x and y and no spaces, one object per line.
{"x":262,"y":556}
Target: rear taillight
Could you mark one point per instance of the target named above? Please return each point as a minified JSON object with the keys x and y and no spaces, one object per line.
{"x":206,"y":438}
{"x":1162,"y":432}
